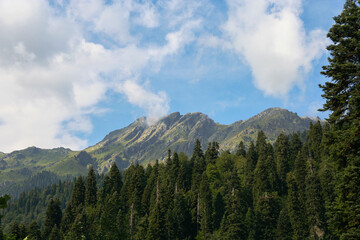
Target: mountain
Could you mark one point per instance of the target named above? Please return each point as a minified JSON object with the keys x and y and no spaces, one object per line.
{"x":142,"y":143}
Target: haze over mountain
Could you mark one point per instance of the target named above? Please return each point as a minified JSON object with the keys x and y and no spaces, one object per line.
{"x":142,"y":143}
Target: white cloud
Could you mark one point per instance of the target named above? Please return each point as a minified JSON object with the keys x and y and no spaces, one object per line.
{"x":270,"y":37}
{"x":155,"y":104}
{"x":53,"y":76}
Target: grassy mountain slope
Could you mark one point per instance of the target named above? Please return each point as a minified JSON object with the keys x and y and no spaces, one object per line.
{"x":143,"y":143}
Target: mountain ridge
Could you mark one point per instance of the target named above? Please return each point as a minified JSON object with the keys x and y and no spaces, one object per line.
{"x":143,"y":143}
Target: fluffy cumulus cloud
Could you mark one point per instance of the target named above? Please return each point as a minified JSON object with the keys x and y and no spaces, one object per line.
{"x":269,"y":36}
{"x":59,"y":60}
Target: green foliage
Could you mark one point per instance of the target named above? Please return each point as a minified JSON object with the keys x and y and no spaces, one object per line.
{"x":53,"y":217}
{"x":342,"y":94}
{"x":232,"y":199}
{"x":91,"y":189}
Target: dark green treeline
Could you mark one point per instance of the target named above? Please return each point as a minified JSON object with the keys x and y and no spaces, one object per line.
{"x":279,"y":191}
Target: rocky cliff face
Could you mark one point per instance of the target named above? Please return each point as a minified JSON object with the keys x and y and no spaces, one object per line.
{"x":142,"y":143}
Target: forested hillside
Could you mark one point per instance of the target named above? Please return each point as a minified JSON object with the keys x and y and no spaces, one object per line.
{"x":279,"y":191}
{"x":289,"y":189}
{"x":139,"y":142}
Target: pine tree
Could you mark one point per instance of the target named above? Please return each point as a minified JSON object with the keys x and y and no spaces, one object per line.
{"x":34,"y":232}
{"x":108,"y":220}
{"x":56,"y":235}
{"x":199,"y":165}
{"x":345,"y":217}
{"x":297,"y":212}
{"x":314,"y":141}
{"x":219,"y":209}
{"x":212,"y":152}
{"x":115,"y":179}
{"x":250,"y":164}
{"x":282,"y":159}
{"x":261,"y":144}
{"x":206,"y":210}
{"x":78,"y":195}
{"x":53,"y":217}
{"x":233,"y":225}
{"x":241,"y":150}
{"x":267,"y":211}
{"x":14,"y":230}
{"x":314,"y":203}
{"x":91,"y":189}
{"x":342,"y":96}
{"x":250,"y":223}
{"x":284,"y":229}
{"x":22,"y":231}
{"x":68,"y":219}
{"x":295,"y":147}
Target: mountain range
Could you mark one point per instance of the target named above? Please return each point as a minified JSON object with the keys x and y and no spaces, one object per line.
{"x":143,"y":143}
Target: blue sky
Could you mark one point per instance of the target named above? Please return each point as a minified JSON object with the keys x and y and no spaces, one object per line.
{"x":71,"y":71}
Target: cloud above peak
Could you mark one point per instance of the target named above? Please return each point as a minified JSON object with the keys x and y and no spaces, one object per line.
{"x":58,"y":62}
{"x":61,"y":61}
{"x":270,"y":37}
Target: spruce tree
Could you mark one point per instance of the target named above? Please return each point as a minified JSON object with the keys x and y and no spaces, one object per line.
{"x":53,"y":217}
{"x":14,"y":230}
{"x":295,"y":147}
{"x":206,"y":210}
{"x":34,"y":232}
{"x":297,"y":211}
{"x":250,"y":223}
{"x":342,"y":94}
{"x":241,"y":150}
{"x":115,"y":179}
{"x":282,"y":159}
{"x":314,"y":203}
{"x":56,"y":235}
{"x":199,"y":165}
{"x":284,"y":229}
{"x":267,"y":211}
{"x":91,"y":189}
{"x":78,"y":195}
{"x":314,"y":141}
{"x":212,"y":152}
{"x":250,"y":164}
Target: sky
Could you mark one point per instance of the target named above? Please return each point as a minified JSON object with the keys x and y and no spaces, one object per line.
{"x":71,"y":71}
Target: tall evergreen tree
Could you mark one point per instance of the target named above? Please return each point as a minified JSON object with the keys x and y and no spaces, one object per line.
{"x":267,"y":212}
{"x":314,"y":203}
{"x":282,"y":159}
{"x":241,"y":150}
{"x":314,"y":141}
{"x":212,"y":152}
{"x":91,"y":189}
{"x":14,"y":231}
{"x":34,"y":232}
{"x":53,"y":217}
{"x":78,"y":195}
{"x":115,"y":179}
{"x":250,"y":164}
{"x":284,"y":229}
{"x":342,"y":93}
{"x":199,"y":165}
{"x":297,"y":211}
{"x":56,"y":235}
{"x":206,"y":210}
{"x":295,"y":147}
{"x":342,"y":96}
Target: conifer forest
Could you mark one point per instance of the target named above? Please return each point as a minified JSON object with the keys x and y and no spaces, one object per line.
{"x":303,"y":186}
